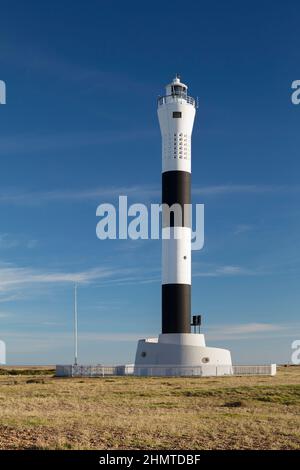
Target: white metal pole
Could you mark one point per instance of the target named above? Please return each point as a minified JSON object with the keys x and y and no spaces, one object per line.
{"x":75,"y":326}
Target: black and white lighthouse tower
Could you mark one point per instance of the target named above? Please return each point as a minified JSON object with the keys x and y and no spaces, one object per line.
{"x":177,"y":351}
{"x":176,"y":114}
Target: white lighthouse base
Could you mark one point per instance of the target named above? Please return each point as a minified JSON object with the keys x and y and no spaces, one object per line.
{"x":181,"y":354}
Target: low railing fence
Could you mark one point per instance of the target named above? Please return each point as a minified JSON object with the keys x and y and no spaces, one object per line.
{"x":167,"y":370}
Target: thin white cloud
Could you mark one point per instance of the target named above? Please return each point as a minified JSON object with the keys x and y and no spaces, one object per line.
{"x":38,"y":341}
{"x":8,"y":241}
{"x":35,"y":198}
{"x":10,"y":297}
{"x":29,"y":143}
{"x":32,"y":243}
{"x":226,"y":270}
{"x":26,"y":197}
{"x":5,"y":314}
{"x":30,"y":56}
{"x":12,"y":277}
{"x":242,"y":228}
{"x":228,"y":189}
{"x":254,"y":328}
{"x":249,"y":330}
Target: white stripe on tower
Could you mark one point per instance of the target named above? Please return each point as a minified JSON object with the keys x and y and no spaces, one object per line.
{"x":176,"y":113}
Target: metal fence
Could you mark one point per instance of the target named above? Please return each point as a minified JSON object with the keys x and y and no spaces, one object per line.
{"x":269,"y":369}
{"x":177,"y":97}
{"x":92,"y":371}
{"x":159,"y":371}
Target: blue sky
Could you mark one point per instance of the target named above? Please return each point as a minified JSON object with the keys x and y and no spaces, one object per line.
{"x":80,"y":127}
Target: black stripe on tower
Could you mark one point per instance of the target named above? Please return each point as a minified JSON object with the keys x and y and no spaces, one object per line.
{"x":176,"y":308}
{"x":176,"y":189}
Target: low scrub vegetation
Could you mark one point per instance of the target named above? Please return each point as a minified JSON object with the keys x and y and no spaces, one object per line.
{"x":39,"y":411}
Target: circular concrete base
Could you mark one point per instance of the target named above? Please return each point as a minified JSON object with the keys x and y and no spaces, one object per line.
{"x":181,"y":354}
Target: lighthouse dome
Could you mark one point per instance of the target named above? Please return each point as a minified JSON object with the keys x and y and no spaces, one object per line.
{"x":176,"y":88}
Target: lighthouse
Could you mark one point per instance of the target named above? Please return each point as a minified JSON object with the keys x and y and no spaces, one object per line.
{"x":176,"y":114}
{"x":177,"y":351}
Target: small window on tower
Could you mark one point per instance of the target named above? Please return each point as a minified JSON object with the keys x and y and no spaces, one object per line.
{"x":176,"y":114}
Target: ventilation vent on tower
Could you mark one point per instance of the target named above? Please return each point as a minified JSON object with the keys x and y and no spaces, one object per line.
{"x":177,"y":146}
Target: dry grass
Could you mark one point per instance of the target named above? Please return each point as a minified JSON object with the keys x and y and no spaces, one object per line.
{"x":38,"y":411}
